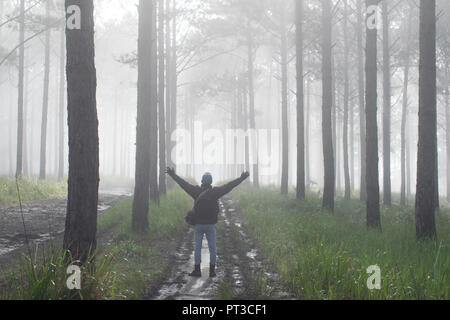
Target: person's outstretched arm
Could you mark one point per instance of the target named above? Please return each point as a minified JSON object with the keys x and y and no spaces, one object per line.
{"x":223,"y":190}
{"x":186,"y":186}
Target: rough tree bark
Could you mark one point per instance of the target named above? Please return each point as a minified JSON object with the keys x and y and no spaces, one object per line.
{"x":327,"y":102}
{"x":143,"y":143}
{"x":427,"y":146}
{"x":81,"y":219}
{"x":301,"y":190}
{"x":372,"y":180}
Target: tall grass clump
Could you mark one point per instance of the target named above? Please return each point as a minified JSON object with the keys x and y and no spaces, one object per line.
{"x":320,"y":255}
{"x":30,"y":189}
{"x":45,"y":278}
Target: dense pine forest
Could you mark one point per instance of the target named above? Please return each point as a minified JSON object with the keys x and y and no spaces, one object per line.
{"x":309,"y":138}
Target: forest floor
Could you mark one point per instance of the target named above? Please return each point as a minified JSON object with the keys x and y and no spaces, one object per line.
{"x":43,"y":223}
{"x":242,"y":273}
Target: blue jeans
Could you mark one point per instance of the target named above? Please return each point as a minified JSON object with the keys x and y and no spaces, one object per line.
{"x":210,"y":231}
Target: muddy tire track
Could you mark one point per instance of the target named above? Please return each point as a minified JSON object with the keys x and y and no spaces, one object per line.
{"x":239,"y":266}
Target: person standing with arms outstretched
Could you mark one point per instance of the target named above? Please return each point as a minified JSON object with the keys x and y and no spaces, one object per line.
{"x":206,"y":210}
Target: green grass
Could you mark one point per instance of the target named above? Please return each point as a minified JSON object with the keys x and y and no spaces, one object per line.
{"x":124,"y":268}
{"x":141,"y":260}
{"x":325,"y":256}
{"x":30,"y":189}
{"x":45,"y":278}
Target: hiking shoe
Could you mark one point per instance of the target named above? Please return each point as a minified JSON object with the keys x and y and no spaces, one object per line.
{"x":212,"y":270}
{"x":197,"y":272}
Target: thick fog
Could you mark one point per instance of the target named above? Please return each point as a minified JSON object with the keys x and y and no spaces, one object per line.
{"x":212,"y":61}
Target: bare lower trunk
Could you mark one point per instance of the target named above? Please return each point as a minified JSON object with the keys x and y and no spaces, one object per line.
{"x":361,"y":102}
{"x":284,"y":105}
{"x":161,"y":101}
{"x":154,"y":191}
{"x":301,"y":190}
{"x":19,"y":159}
{"x":173,"y":80}
{"x":373,"y":191}
{"x":386,"y":108}
{"x":144,"y":113}
{"x":168,"y":102}
{"x":307,"y":135}
{"x":403,"y":143}
{"x":427,"y":147}
{"x":61,"y":107}
{"x":43,"y":162}
{"x":346,"y":108}
{"x":81,"y":219}
{"x":447,"y":132}
{"x":329,"y":177}
{"x":251,"y":96}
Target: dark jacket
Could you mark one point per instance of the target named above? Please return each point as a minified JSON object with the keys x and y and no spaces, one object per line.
{"x":214,"y":194}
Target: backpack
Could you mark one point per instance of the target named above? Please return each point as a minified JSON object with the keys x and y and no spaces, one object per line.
{"x":205,"y":209}
{"x":191,"y":215}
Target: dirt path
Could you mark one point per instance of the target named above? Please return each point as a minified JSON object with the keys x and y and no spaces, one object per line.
{"x":44,"y":222}
{"x":240,"y":268}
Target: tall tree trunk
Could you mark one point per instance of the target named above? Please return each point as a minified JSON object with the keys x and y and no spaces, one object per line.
{"x":307,"y":135}
{"x":154,"y":191}
{"x":361,"y":98}
{"x":168,"y":102}
{"x":19,"y":158}
{"x":245,"y":123}
{"x":81,"y":218}
{"x":352,"y":145}
{"x":43,"y":155}
{"x":173,"y":78}
{"x":301,"y":190}
{"x":427,"y":147}
{"x":251,"y":95}
{"x":346,"y":106}
{"x":161,"y":100}
{"x":408,"y":167}
{"x":25,"y":122}
{"x":144,"y":120}
{"x":61,"y":106}
{"x":386,"y":108}
{"x":327,"y":102}
{"x":447,"y":127}
{"x":114,"y":133}
{"x":284,"y":104}
{"x":373,"y":191}
{"x":405,"y":111}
